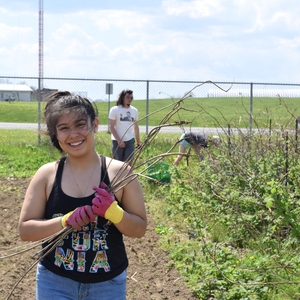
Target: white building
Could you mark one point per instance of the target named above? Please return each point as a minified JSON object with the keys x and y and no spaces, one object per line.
{"x":11,"y":92}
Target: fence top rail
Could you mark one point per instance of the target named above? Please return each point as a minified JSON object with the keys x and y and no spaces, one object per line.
{"x":148,"y":80}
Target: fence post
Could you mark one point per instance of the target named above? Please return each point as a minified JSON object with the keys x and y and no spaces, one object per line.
{"x":39,"y":110}
{"x":228,"y":140}
{"x":108,"y":91}
{"x":296,"y":133}
{"x":270,"y":131}
{"x":251,"y":105}
{"x":286,"y":157}
{"x":147,"y":105}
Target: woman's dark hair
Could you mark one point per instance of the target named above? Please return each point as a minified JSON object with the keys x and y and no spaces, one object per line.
{"x":122,"y":95}
{"x":64,"y":102}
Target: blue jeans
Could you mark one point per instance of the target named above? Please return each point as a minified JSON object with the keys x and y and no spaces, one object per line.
{"x":52,"y":286}
{"x":123,"y":154}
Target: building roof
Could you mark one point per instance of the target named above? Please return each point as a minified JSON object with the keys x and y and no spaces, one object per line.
{"x":15,"y":88}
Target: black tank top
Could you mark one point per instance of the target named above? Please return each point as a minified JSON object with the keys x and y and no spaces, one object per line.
{"x":95,"y":254}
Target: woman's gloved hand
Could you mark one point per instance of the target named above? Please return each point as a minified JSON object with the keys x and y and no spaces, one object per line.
{"x":105,"y":205}
{"x":78,"y":217}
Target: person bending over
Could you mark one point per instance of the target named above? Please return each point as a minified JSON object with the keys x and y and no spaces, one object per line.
{"x":196,"y":141}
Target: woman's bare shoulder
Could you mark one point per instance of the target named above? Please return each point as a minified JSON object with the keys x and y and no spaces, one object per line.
{"x":48,"y":166}
{"x":113,"y":164}
{"x":46,"y":171}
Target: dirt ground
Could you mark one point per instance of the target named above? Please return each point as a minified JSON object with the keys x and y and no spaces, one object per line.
{"x":148,"y":276}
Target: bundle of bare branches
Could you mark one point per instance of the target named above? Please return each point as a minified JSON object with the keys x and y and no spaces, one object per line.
{"x":127,"y":173}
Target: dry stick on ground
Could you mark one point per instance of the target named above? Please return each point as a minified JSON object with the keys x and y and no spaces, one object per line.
{"x":122,"y":178}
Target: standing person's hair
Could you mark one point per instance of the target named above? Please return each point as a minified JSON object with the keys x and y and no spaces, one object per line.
{"x":61,"y":103}
{"x":122,"y":95}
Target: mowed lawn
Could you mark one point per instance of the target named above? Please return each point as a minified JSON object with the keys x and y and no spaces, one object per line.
{"x":200,"y":112}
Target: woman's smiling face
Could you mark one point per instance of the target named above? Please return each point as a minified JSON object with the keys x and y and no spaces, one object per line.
{"x":75,"y":133}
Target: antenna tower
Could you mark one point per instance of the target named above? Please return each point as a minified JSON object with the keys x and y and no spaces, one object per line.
{"x":41,"y":47}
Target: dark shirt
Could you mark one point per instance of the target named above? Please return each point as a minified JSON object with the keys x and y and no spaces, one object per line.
{"x":195,"y":138}
{"x":94,"y":254}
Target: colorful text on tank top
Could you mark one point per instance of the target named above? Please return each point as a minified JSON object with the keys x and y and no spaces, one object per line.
{"x":91,"y":238}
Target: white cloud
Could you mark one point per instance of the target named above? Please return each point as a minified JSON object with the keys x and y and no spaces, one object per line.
{"x":193,"y":9}
{"x":9,"y":33}
{"x":70,"y":31}
{"x":129,"y":22}
{"x":170,"y":39}
{"x":26,"y":49}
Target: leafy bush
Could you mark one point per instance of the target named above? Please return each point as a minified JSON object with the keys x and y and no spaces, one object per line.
{"x":235,"y":220}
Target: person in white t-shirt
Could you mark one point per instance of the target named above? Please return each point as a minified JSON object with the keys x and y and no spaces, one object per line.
{"x":123,"y":126}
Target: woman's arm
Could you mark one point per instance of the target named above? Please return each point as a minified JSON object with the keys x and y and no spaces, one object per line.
{"x":32,"y":225}
{"x":134,"y":221}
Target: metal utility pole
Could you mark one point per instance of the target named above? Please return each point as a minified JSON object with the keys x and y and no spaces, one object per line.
{"x":41,"y":41}
{"x":41,"y":63}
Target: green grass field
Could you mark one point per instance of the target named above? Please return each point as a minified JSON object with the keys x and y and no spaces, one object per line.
{"x":201,"y":112}
{"x":230,"y":225}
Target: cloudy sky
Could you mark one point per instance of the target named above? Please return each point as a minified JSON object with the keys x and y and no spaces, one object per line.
{"x":219,"y":40}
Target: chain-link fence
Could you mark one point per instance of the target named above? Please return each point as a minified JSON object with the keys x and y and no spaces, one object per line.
{"x":210,"y":106}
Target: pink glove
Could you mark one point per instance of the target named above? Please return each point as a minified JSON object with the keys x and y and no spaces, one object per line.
{"x":104,"y":205}
{"x":78,"y":217}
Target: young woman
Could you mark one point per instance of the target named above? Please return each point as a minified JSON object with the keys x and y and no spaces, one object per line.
{"x":91,"y":262}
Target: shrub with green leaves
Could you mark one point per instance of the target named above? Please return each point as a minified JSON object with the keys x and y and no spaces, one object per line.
{"x":235,"y":220}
